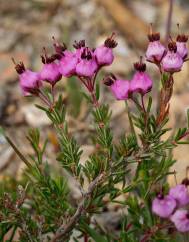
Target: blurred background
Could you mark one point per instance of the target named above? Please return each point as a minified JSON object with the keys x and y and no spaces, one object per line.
{"x":28,"y":25}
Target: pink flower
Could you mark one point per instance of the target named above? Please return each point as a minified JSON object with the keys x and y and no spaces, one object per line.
{"x":87,"y":65}
{"x":163,"y":206}
{"x":29,"y":81}
{"x":120,"y":88}
{"x":181,"y":220}
{"x":182,"y":49}
{"x":141,"y":81}
{"x":155,"y":50}
{"x":104,"y":54}
{"x":68,"y":63}
{"x":180,"y":194}
{"x":172,"y":61}
{"x":50,"y":70}
{"x":67,"y":59}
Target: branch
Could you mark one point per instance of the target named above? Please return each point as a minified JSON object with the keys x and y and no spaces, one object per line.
{"x":65,"y":229}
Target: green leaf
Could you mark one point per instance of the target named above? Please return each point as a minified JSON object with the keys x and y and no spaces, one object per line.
{"x":149,"y":104}
{"x":96,"y":236}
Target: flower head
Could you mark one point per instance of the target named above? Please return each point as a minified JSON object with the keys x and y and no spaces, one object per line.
{"x":119,"y":87}
{"x":50,"y":70}
{"x":163,"y":206}
{"x":141,"y":81}
{"x":180,"y":194}
{"x":87,"y":65}
{"x":104,"y":54}
{"x":172,"y":61}
{"x":182,"y":49}
{"x":29,"y":81}
{"x":181,"y":220}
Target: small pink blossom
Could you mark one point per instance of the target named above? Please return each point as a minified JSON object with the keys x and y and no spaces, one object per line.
{"x":181,"y":220}
{"x":29,"y":81}
{"x":68,"y":63}
{"x":182,"y":49}
{"x":104,"y":53}
{"x":172,"y":61}
{"x":119,"y":87}
{"x":50,"y":70}
{"x":67,"y":59}
{"x":155,"y":50}
{"x":141,"y":82}
{"x":87,"y":65}
{"x":180,"y":194}
{"x":163,"y":206}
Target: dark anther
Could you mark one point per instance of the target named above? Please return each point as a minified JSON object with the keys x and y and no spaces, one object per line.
{"x":154,"y":37}
{"x":79,"y":44}
{"x":86,"y":54}
{"x":182,"y":38}
{"x":185,"y":182}
{"x":172,"y":46}
{"x":59,"y":48}
{"x":109,"y":80}
{"x":140,"y":66}
{"x":110,"y":42}
{"x":19,"y":67}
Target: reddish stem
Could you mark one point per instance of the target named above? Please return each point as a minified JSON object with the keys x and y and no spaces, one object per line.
{"x":85,"y":238}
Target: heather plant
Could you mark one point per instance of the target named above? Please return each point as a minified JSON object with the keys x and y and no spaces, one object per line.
{"x":41,"y":207}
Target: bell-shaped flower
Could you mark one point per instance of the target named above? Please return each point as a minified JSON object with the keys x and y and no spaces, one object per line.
{"x":180,"y":194}
{"x":141,"y":81}
{"x":104,"y":53}
{"x":172,"y":61}
{"x":181,"y":220}
{"x":87,"y":65}
{"x":155,"y":50}
{"x":163,"y":206}
{"x":29,"y":80}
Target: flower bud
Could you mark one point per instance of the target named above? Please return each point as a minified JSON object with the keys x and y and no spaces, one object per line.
{"x":87,"y":65}
{"x":119,"y":87}
{"x":141,"y":82}
{"x":29,"y":81}
{"x":104,"y":54}
{"x":180,"y":194}
{"x":172,"y":61}
{"x":163,"y":206}
{"x":181,"y":220}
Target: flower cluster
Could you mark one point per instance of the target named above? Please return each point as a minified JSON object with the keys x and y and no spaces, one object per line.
{"x":168,"y":59}
{"x":171,"y":206}
{"x":124,"y":89}
{"x":84,"y":63}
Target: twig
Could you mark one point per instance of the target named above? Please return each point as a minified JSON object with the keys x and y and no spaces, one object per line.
{"x":17,"y":151}
{"x":65,"y":229}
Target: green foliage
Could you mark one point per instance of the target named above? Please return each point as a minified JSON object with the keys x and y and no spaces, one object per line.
{"x":40,"y":205}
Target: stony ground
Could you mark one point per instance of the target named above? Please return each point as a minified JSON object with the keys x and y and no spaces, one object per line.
{"x":28,"y":25}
